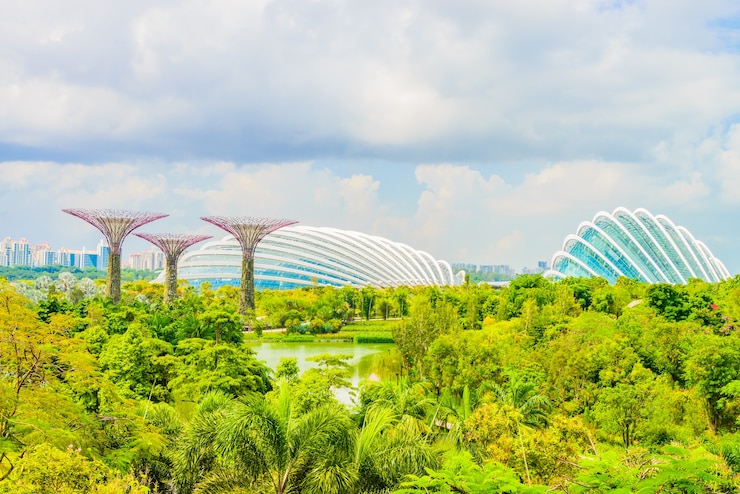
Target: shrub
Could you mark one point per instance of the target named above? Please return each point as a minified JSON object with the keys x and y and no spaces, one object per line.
{"x":374,"y":339}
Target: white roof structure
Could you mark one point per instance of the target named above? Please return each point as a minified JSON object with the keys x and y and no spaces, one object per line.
{"x":638,"y":245}
{"x":299,"y":255}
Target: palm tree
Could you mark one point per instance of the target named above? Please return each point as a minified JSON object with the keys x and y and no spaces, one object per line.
{"x":387,"y":448}
{"x":523,"y":407}
{"x":410,"y":402}
{"x":260,"y":446}
{"x":452,"y":412}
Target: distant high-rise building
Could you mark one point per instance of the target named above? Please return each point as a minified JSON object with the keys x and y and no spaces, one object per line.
{"x":504,"y":269}
{"x":103,"y":254}
{"x":21,"y":253}
{"x":152,"y":259}
{"x":459,"y":266}
{"x":85,"y":259}
{"x":64,"y":257}
{"x":42,"y":255}
{"x":5,"y":251}
{"x":15,"y":252}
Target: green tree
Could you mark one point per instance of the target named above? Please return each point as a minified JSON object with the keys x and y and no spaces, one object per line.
{"x":713,"y":369}
{"x":202,"y":366}
{"x":44,"y":469}
{"x":463,"y":475}
{"x":223,"y":324}
{"x":414,"y":335}
{"x":334,"y":367}
{"x":386,"y":448}
{"x":262,"y":446}
{"x":625,"y":406}
{"x":287,"y":369}
{"x":522,"y":408}
{"x":669,"y":301}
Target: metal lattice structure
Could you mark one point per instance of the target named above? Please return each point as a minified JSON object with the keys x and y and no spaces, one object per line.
{"x":248,"y":231}
{"x":173,"y":245}
{"x":636,"y":244}
{"x":115,"y":225}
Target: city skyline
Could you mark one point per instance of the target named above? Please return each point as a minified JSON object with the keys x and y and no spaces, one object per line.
{"x":35,"y":255}
{"x":154,"y":259}
{"x":483,"y":133}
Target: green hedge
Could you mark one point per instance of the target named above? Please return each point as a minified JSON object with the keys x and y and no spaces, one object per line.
{"x":374,"y":339}
{"x":293,"y":338}
{"x":377,"y":325}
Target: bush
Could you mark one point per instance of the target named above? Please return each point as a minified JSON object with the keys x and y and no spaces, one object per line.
{"x":335,"y":325}
{"x":374,"y":339}
{"x":296,"y":338}
{"x":258,"y":327}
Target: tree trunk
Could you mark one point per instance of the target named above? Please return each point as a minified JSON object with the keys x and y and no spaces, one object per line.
{"x":170,"y":293}
{"x":246,"y":291}
{"x":626,"y":436}
{"x":524,"y":453}
{"x":114,"y":277}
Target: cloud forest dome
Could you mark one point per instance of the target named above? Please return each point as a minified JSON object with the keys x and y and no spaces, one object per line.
{"x":299,"y":255}
{"x":637,"y":245}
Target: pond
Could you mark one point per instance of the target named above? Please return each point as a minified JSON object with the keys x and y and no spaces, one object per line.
{"x":367,"y":359}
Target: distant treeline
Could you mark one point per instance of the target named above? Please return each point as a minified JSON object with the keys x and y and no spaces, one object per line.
{"x":18,"y":273}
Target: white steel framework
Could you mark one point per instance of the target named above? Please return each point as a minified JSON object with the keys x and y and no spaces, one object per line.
{"x":299,"y":255}
{"x":635,"y":244}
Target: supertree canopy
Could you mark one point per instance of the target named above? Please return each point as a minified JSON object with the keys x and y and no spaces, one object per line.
{"x":115,"y":225}
{"x":248,"y":231}
{"x":173,"y":245}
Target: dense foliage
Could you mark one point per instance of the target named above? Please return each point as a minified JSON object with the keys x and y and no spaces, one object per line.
{"x":19,"y":272}
{"x":574,"y":386}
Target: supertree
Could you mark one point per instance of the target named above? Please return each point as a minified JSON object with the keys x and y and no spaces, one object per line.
{"x":173,"y":245}
{"x":248,"y":231}
{"x":115,"y":225}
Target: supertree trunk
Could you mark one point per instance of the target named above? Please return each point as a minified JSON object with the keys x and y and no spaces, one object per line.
{"x":113,"y":279}
{"x":250,"y":283}
{"x":246,"y":291}
{"x":170,"y":292}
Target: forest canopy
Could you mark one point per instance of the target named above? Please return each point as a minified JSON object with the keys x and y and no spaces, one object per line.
{"x":569,"y":386}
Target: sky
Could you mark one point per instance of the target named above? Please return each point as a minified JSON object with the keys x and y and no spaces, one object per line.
{"x":479,"y":131}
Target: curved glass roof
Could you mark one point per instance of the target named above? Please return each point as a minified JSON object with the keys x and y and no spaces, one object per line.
{"x":298,"y":255}
{"x":637,"y":245}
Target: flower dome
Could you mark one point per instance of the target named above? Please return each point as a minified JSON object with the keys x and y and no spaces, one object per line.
{"x":297,"y":256}
{"x":637,"y":245}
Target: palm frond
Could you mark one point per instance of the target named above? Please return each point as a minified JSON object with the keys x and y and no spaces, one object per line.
{"x":327,"y":478}
{"x":223,"y":481}
{"x":377,"y":420}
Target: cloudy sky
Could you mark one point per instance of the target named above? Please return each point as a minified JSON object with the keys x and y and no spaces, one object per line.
{"x":479,"y":131}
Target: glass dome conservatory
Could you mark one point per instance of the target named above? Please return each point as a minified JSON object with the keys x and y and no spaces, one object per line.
{"x":297,"y":256}
{"x":637,"y":245}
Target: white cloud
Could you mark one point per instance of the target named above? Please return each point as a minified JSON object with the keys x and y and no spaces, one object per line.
{"x":528,"y":116}
{"x":461,"y":213}
{"x":729,"y":166}
{"x":691,"y":190}
{"x":300,"y":191}
{"x":564,"y":79}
